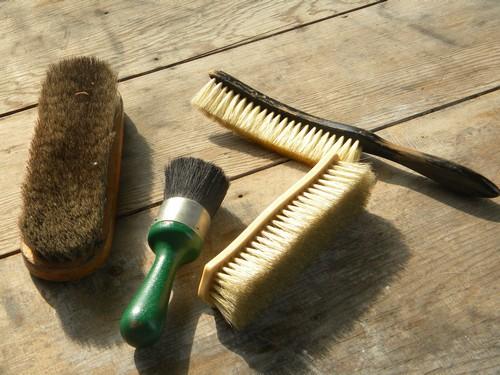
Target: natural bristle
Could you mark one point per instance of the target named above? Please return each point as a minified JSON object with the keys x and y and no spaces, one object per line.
{"x":64,"y":191}
{"x":198,"y":180}
{"x":270,"y":128}
{"x":285,"y":245}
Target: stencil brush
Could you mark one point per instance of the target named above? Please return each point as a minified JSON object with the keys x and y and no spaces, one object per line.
{"x":307,"y":138}
{"x":70,"y":189}
{"x":286,"y":237}
{"x":194,"y":190}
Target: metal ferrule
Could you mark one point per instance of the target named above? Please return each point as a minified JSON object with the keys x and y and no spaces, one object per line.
{"x":185,"y":211}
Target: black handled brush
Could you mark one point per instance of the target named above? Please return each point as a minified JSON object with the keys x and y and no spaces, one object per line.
{"x":307,"y":138}
{"x":194,"y":190}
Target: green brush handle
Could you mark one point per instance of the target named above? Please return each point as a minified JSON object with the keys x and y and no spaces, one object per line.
{"x":174,"y":245}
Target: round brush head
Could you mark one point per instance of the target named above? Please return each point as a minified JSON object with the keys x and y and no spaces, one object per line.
{"x":197,"y":180}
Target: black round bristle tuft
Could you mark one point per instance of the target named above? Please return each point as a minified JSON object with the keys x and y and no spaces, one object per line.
{"x":198,"y":180}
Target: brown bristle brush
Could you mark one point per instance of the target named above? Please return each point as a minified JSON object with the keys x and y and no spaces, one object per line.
{"x":307,"y":138}
{"x":69,"y":194}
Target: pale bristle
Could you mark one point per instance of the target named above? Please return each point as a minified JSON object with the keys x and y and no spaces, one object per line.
{"x":296,"y":140}
{"x":283,"y":248}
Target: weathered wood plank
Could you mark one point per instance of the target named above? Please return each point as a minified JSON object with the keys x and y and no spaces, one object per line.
{"x":410,"y":288}
{"x":334,"y":68}
{"x":134,"y":36}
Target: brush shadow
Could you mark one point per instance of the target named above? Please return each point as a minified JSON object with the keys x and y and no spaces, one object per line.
{"x":137,"y":173}
{"x":324,"y":303}
{"x":89,"y":309}
{"x":172,"y":353}
{"x":481,"y":208}
{"x":231,"y":141}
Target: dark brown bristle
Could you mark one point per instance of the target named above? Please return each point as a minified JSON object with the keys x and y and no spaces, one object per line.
{"x":198,"y":180}
{"x":64,"y":191}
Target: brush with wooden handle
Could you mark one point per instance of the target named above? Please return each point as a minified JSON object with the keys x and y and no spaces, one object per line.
{"x":307,"y":138}
{"x":69,"y":193}
{"x":286,"y":237}
{"x":194,"y":190}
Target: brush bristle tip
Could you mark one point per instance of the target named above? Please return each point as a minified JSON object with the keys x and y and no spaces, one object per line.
{"x":198,"y":180}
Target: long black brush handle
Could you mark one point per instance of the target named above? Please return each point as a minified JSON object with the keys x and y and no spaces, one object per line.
{"x":454,"y":176}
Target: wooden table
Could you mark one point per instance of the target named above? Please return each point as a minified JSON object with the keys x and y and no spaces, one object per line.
{"x":411,"y":288}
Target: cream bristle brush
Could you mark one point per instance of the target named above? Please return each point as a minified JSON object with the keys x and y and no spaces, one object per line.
{"x":285,"y":238}
{"x":306,"y":138}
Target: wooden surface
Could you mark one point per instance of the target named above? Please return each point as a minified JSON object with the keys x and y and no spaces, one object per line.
{"x":136,"y":37}
{"x":411,"y":288}
{"x":325,"y":76}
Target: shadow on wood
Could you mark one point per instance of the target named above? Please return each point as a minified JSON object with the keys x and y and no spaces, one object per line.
{"x":137,"y":166}
{"x":482,"y":208}
{"x":325,"y":302}
{"x":234,"y":142}
{"x":88,"y":309}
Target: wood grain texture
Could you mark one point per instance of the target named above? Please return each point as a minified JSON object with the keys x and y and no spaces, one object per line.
{"x":134,"y":36}
{"x":334,"y":69}
{"x":451,"y":175}
{"x":411,"y":288}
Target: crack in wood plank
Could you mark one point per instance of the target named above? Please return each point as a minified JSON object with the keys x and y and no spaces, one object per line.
{"x":138,"y":38}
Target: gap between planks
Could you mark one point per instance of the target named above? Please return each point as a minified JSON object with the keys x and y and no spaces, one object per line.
{"x":285,"y":160}
{"x":376,"y":129}
{"x":436,"y":109}
{"x":243,"y":42}
{"x":398,"y":106}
